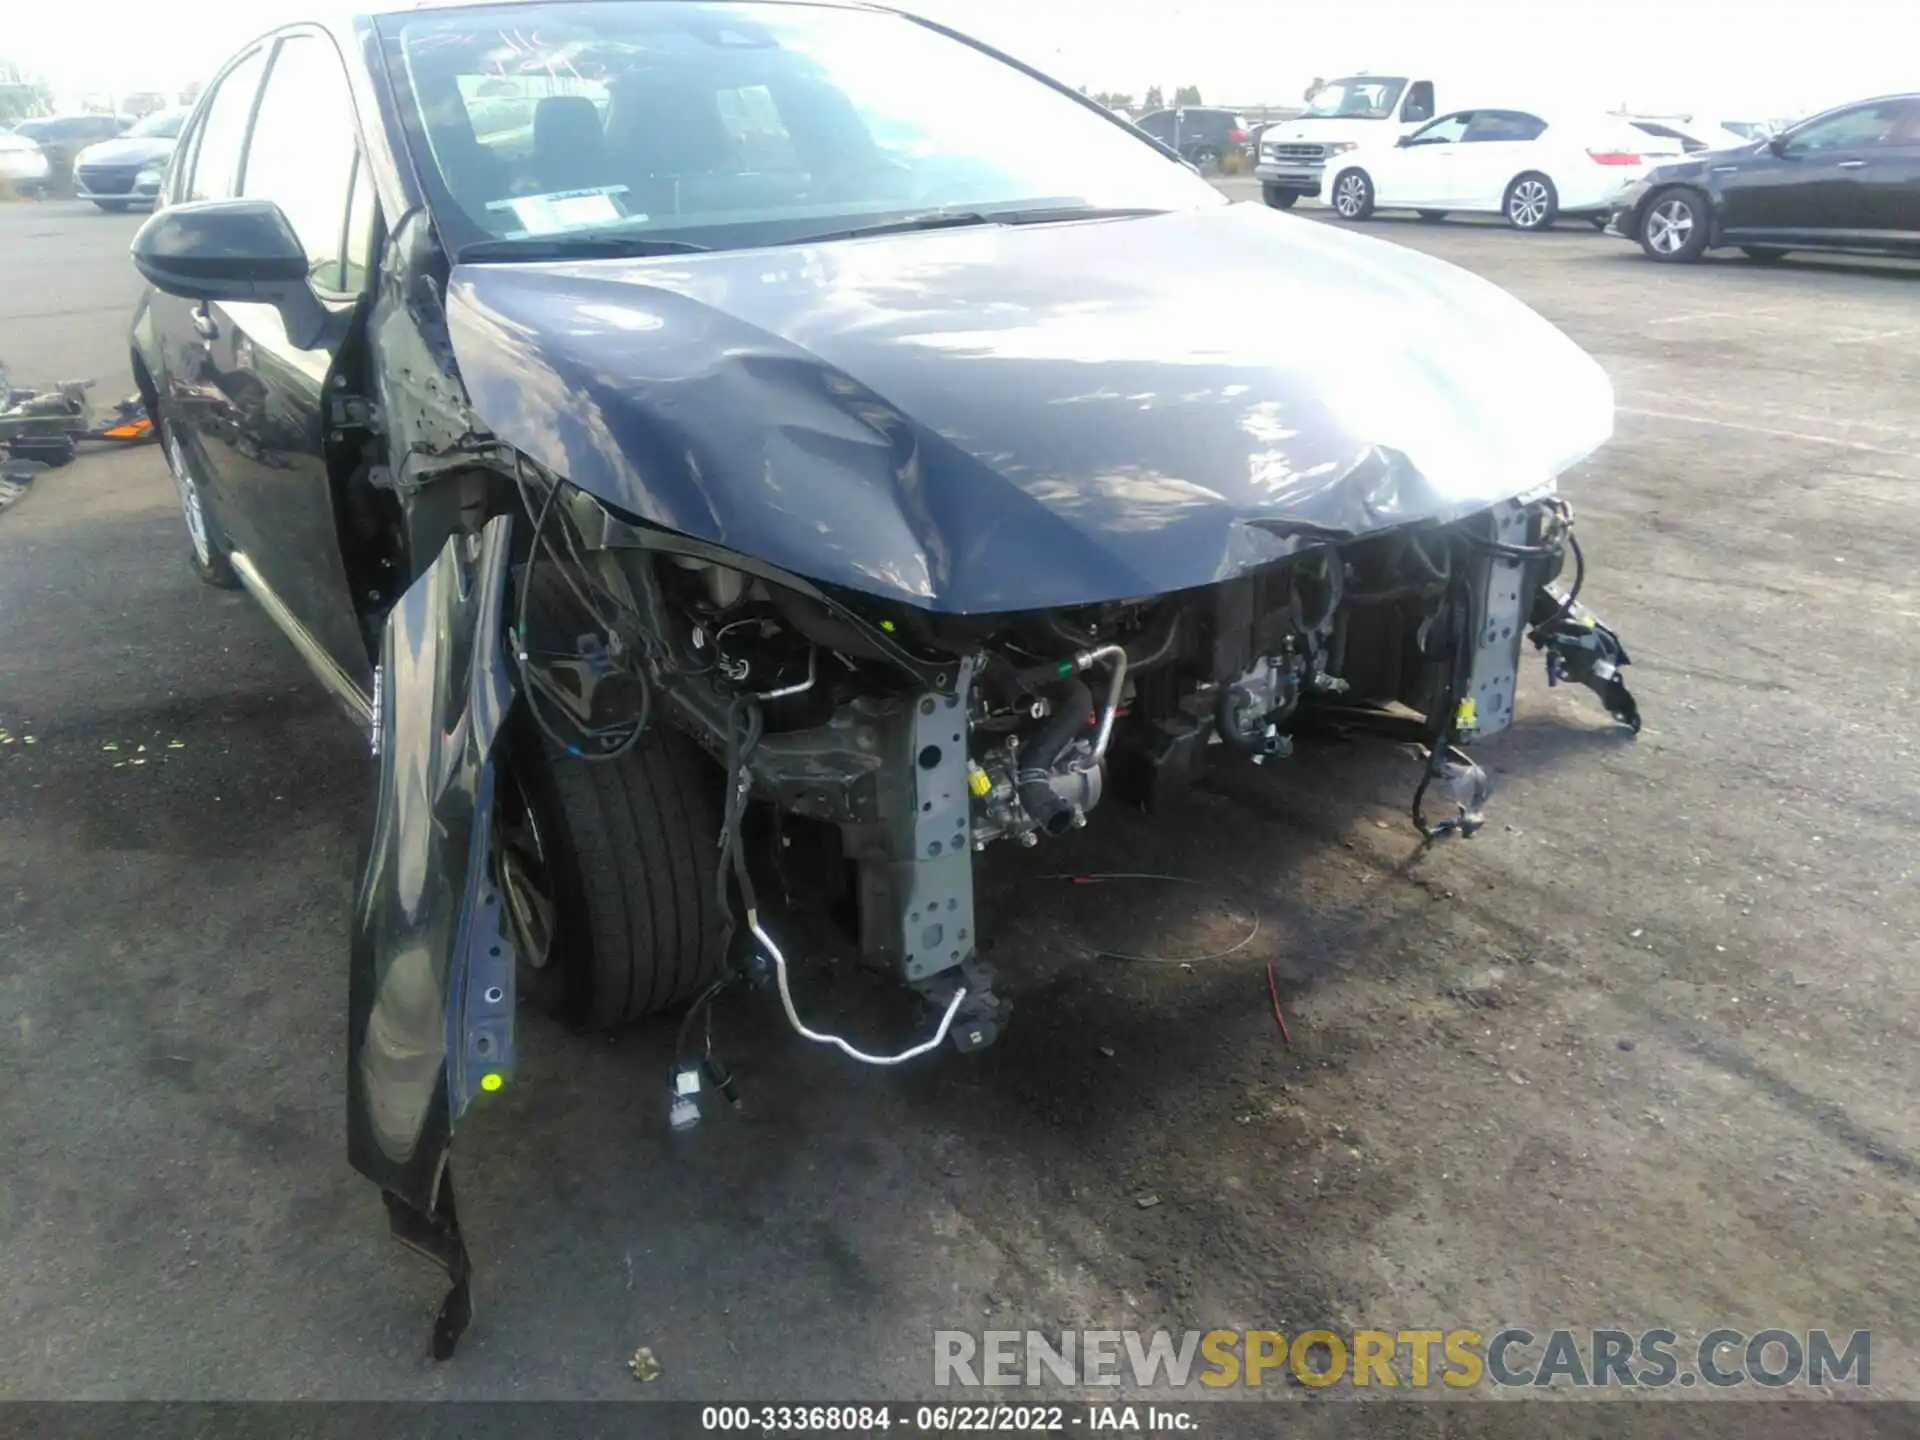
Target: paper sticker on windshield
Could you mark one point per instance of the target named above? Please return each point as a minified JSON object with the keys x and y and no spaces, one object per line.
{"x":564,"y":210}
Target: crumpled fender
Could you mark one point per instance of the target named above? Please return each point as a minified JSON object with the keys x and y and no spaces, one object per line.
{"x":430,"y":994}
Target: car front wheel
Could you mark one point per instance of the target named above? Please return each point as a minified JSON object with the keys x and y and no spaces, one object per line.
{"x":1279,"y":197}
{"x":606,"y":865}
{"x":206,"y":542}
{"x":1531,"y":203}
{"x":1353,"y":195}
{"x":1675,"y":227}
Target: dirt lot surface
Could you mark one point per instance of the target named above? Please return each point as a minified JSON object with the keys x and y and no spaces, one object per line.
{"x":1642,"y":1053}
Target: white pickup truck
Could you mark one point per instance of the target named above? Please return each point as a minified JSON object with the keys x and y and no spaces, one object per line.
{"x":1341,"y":115}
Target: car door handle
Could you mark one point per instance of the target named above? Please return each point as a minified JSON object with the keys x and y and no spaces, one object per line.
{"x":1853,"y":164}
{"x":203,"y":323}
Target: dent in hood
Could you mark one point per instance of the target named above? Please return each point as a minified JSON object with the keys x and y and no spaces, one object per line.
{"x":1011,"y":418}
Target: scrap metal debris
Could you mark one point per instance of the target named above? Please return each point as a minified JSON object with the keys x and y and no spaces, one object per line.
{"x":644,"y":1367}
{"x":41,"y":428}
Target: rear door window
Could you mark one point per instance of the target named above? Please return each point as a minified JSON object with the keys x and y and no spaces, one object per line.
{"x":1494,"y":125}
{"x":223,"y":132}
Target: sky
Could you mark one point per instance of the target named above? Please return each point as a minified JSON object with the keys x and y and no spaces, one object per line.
{"x":1730,"y":59}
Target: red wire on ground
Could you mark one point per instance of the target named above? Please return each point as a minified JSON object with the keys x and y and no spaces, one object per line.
{"x":1273,"y":991}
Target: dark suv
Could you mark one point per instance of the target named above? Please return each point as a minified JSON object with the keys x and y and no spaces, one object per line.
{"x":1203,"y":137}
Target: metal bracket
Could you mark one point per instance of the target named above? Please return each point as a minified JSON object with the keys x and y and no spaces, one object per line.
{"x":1486,"y":704}
{"x":938,"y":928}
{"x":481,"y":1052}
{"x":352,"y":412}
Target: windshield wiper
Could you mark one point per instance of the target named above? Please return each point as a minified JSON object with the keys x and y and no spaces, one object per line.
{"x":958,"y":219}
{"x":575,"y":247}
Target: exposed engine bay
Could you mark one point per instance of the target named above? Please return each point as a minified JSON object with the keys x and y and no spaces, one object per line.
{"x":920,"y":738}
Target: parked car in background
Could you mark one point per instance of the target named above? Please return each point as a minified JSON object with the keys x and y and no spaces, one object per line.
{"x":1523,"y":164}
{"x":1203,"y":137}
{"x":1342,"y":116}
{"x":123,"y":172}
{"x":23,"y":164}
{"x":1848,"y":179}
{"x":61,"y":137}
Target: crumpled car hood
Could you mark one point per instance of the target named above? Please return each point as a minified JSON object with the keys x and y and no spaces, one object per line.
{"x":1008,"y":418}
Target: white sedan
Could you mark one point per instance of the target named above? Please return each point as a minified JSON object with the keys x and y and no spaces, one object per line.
{"x":23,"y":165}
{"x":1530,"y":168}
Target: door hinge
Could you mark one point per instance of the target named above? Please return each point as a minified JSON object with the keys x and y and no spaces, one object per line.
{"x":352,"y":412}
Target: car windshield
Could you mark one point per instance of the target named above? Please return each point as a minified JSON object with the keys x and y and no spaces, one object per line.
{"x":1362,"y":98}
{"x":730,"y":125}
{"x":163,"y":126}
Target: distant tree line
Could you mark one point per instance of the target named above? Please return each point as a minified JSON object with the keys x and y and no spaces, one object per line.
{"x":1154,"y":99}
{"x":21,"y":94}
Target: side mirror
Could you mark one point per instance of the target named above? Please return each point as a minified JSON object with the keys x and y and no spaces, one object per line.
{"x":232,"y":250}
{"x":1777,"y":144}
{"x":1403,"y":142}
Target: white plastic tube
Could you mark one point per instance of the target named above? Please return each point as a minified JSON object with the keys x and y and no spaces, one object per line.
{"x":793,"y":1017}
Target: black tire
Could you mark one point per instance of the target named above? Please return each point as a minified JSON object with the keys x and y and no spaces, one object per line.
{"x":1279,"y":197}
{"x":1599,"y":222}
{"x":1676,"y":226}
{"x":1206,"y":157}
{"x":1433,"y":217}
{"x":1765,"y":254}
{"x":112,"y":207}
{"x":625,"y":853}
{"x":1352,"y":195}
{"x":1531,"y":202}
{"x":207,"y":544}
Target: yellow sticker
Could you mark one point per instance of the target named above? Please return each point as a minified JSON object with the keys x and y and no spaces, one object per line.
{"x":491,"y":1082}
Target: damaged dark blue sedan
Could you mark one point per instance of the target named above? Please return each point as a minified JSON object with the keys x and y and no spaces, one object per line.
{"x":666,"y":429}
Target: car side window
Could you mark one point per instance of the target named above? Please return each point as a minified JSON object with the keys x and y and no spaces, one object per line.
{"x":1864,"y":127}
{"x":1494,"y":125}
{"x":1159,"y":125}
{"x":1419,"y":102}
{"x":1447,"y":130}
{"x":223,"y":132}
{"x":303,"y":150}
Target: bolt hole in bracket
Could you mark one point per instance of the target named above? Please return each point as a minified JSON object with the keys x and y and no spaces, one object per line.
{"x":480,"y":1040}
